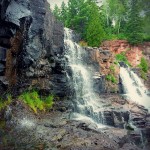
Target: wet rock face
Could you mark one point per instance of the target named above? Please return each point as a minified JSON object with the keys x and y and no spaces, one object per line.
{"x":36,"y":57}
{"x":54,"y":130}
{"x":103,"y":62}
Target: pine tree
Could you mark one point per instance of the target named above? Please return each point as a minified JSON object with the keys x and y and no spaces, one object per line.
{"x":94,"y":31}
{"x":134,"y":25}
{"x":72,"y":13}
{"x":64,"y":13}
{"x":56,"y":12}
{"x":83,"y":16}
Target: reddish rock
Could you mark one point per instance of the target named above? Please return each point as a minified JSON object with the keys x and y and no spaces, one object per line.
{"x":105,"y":60}
{"x":133,"y":53}
{"x":116,"y":46}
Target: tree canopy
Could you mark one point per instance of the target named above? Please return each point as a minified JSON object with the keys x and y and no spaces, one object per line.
{"x":117,"y":19}
{"x":134,"y":24}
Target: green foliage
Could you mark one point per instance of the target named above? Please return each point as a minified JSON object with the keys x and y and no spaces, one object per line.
{"x":33,"y":100}
{"x":76,"y":15}
{"x":120,"y":19}
{"x":56,"y":12}
{"x":63,"y":13}
{"x":48,"y":102}
{"x":84,"y":17}
{"x":122,"y":58}
{"x":143,"y":75}
{"x":112,"y":68}
{"x":94,"y":34}
{"x":83,"y":43}
{"x":144,"y":65}
{"x":134,"y":24}
{"x":116,"y":63}
{"x":94,"y":29}
{"x":114,"y":18}
{"x":5,"y":103}
{"x":121,"y":36}
{"x":146,"y":38}
{"x":110,"y":77}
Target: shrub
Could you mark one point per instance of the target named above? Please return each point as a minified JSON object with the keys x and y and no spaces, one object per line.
{"x":111,"y":78}
{"x":116,"y":63}
{"x":122,"y":36}
{"x":146,"y":38}
{"x":122,"y":58}
{"x":134,"y":24}
{"x":112,"y":68}
{"x":4,"y":103}
{"x":33,"y":100}
{"x":111,"y":36}
{"x":143,"y":75}
{"x":49,"y":101}
{"x":144,"y":65}
{"x":83,"y":43}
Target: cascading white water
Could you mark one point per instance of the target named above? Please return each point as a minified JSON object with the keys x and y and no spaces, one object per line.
{"x":86,"y":102}
{"x":134,"y":88}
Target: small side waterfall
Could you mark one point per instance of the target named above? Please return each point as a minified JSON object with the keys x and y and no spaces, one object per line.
{"x":87,"y":104}
{"x":85,"y":100}
{"x":134,"y":89}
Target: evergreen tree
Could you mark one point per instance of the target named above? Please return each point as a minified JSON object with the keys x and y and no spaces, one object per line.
{"x":56,"y":12}
{"x":134,"y":25}
{"x":72,"y":13}
{"x":94,"y":31}
{"x":115,"y":12}
{"x":64,"y":13}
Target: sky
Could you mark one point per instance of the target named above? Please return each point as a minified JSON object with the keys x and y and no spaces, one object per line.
{"x":58,"y":2}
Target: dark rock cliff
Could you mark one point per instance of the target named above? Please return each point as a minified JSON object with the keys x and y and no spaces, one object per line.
{"x":104,"y":63}
{"x":31,"y":47}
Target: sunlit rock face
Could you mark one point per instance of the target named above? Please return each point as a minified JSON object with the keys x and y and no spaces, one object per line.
{"x":103,"y":60}
{"x":133,"y":53}
{"x":33,"y":41}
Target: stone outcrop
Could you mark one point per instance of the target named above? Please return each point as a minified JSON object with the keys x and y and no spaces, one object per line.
{"x":133,"y":53}
{"x":31,"y":52}
{"x":104,"y":63}
{"x":56,"y":130}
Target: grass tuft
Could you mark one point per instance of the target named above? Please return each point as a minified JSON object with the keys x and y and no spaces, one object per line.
{"x":6,"y":102}
{"x":34,"y":101}
{"x":111,"y":77}
{"x":122,"y":58}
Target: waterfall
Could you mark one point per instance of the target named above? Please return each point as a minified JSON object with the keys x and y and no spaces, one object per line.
{"x":133,"y":87}
{"x":85,"y":100}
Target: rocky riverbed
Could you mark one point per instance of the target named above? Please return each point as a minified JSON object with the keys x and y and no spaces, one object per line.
{"x":21,"y":129}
